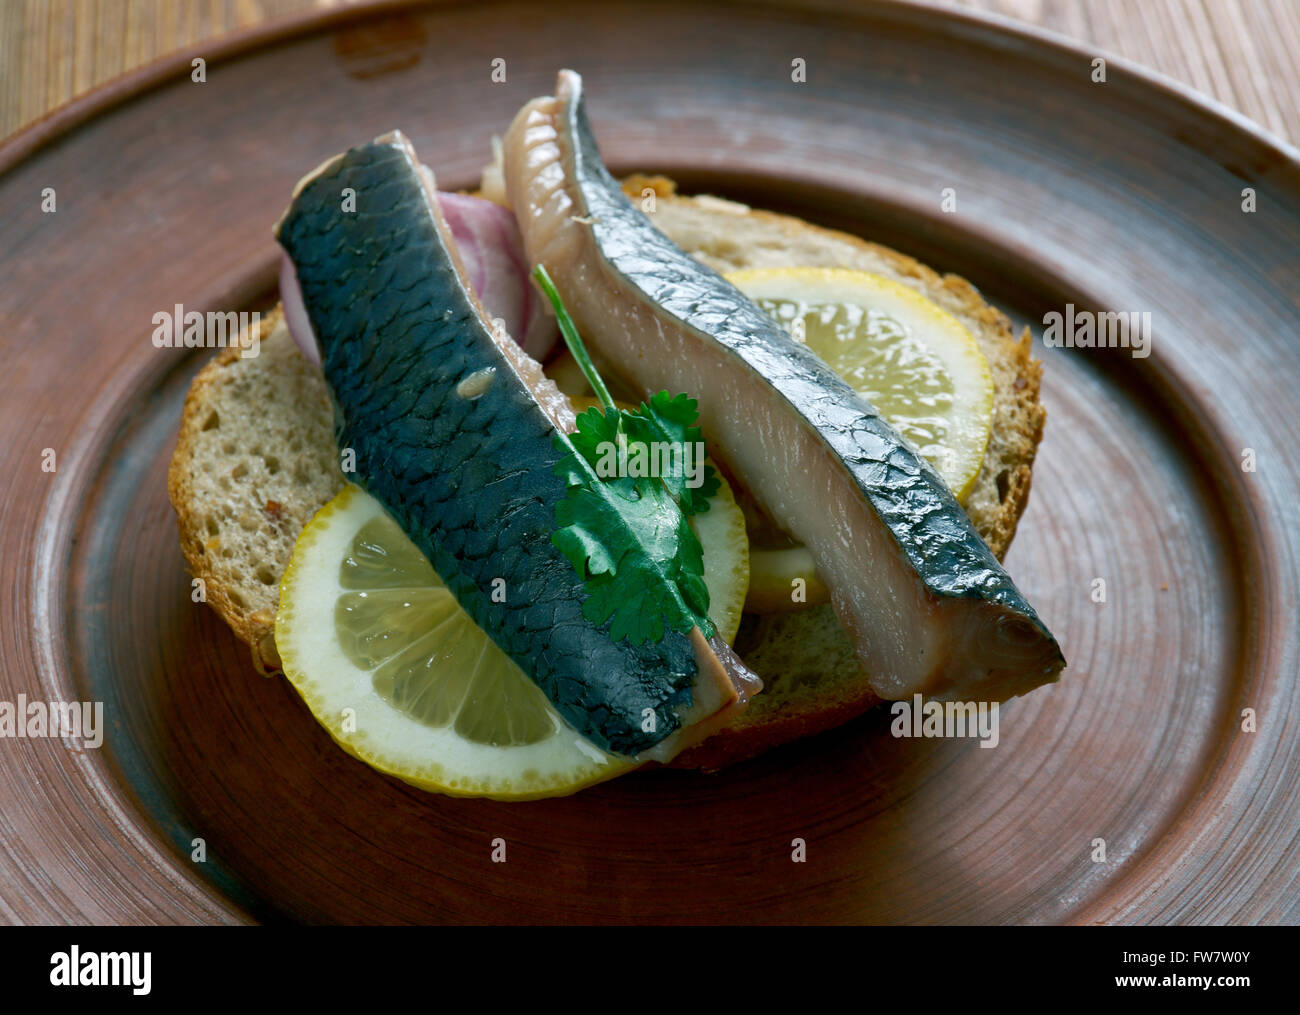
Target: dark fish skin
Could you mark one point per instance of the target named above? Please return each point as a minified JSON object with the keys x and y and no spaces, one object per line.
{"x":593,"y":240}
{"x":469,"y":479}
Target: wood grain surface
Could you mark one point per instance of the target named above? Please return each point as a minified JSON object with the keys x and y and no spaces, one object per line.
{"x":1240,"y":52}
{"x":1132,"y":201}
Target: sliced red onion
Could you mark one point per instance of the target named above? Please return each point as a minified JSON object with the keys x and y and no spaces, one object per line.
{"x":295,"y":311}
{"x":492,"y":251}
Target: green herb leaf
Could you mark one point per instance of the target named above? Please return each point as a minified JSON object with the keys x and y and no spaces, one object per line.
{"x":628,"y":534}
{"x":670,"y":422}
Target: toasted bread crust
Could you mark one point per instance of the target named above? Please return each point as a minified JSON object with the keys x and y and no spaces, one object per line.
{"x":239,"y":518}
{"x":814,"y":680}
{"x":254,"y":627}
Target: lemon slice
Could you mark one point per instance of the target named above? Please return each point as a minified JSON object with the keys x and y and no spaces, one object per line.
{"x":721,"y":530}
{"x":911,"y":359}
{"x":404,"y":680}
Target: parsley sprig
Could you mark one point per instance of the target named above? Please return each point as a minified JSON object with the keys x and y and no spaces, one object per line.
{"x":628,"y":536}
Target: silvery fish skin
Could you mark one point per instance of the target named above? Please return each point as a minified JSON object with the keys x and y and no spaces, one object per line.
{"x":927,"y":605}
{"x":453,"y":428}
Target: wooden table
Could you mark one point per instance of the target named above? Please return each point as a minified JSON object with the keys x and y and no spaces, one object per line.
{"x":1241,"y":52}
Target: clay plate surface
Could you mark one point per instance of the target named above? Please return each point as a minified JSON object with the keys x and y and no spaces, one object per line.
{"x":1125,"y":196}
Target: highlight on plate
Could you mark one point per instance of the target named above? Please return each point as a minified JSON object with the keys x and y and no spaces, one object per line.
{"x":566,"y":487}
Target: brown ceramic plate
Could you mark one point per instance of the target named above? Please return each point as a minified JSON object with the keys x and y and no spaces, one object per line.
{"x":1123,"y":195}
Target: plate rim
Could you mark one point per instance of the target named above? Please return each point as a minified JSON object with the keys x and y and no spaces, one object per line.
{"x":50,"y":126}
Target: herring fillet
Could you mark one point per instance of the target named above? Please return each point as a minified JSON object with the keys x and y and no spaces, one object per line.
{"x":454,"y":432}
{"x":927,"y":605}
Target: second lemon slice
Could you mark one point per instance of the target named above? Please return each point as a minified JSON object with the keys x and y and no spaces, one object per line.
{"x":911,"y":359}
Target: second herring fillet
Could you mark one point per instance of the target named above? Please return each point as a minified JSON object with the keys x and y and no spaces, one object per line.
{"x":928,"y":607}
{"x":454,"y":431}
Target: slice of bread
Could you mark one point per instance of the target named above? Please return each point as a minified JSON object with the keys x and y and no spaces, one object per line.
{"x":256,"y":458}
